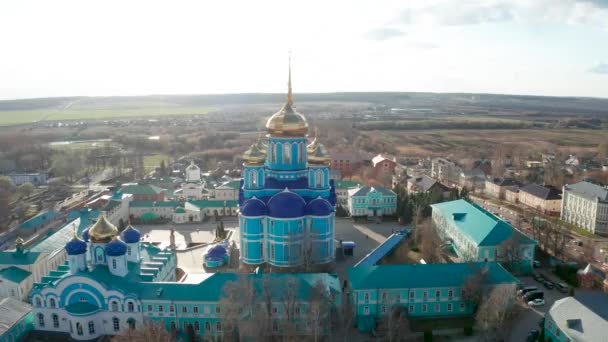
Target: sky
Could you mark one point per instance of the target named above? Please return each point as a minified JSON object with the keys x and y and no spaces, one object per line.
{"x":107,"y":48}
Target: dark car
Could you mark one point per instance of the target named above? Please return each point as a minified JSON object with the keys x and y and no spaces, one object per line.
{"x":532,"y":336}
{"x":549,"y":285}
{"x":562,"y":287}
{"x":537,"y":277}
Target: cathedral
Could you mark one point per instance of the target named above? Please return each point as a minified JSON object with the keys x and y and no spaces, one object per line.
{"x":287,"y":200}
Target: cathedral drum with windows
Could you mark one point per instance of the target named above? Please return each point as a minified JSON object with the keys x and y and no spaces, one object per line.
{"x":287,"y":201}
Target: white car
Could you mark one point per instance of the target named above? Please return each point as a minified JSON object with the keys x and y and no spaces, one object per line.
{"x":536,"y":302}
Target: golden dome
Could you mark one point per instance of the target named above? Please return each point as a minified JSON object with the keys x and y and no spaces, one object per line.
{"x":19,"y":241}
{"x":317,"y":153}
{"x":287,"y":122}
{"x":256,"y":154}
{"x":102,"y":230}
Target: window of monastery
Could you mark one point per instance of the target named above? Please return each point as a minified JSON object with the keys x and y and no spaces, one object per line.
{"x":55,"y":321}
{"x":287,"y":153}
{"x":91,"y":327}
{"x":41,"y":320}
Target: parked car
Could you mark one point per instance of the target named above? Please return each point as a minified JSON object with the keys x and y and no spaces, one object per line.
{"x":536,"y":302}
{"x":532,"y":295}
{"x":537,"y":277}
{"x":549,"y":285}
{"x":526,"y":290}
{"x":532,"y":336}
{"x":561,"y":287}
{"x":536,"y":264}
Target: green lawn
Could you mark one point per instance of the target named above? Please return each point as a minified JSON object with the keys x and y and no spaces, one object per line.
{"x":153,"y":161}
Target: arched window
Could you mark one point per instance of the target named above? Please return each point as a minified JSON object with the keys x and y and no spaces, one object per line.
{"x":41,"y":320}
{"x":91,"y":327}
{"x":287,"y":153}
{"x":276,"y":147}
{"x":218,"y":326}
{"x":114,"y":305}
{"x":207,"y":326}
{"x":38,"y":302}
{"x":270,"y":152}
{"x":99,"y":254}
{"x":173,"y":325}
{"x":131,"y":323}
{"x":130,"y":307}
{"x":302,"y":152}
{"x":116,"y":324}
{"x":254,"y":178}
{"x":79,"y":328}
{"x":55,"y":321}
{"x":52,"y":303}
{"x":128,"y":250}
{"x":114,"y":263}
{"x":197,"y":326}
{"x":319,"y":179}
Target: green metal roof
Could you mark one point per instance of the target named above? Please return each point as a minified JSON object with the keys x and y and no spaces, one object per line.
{"x":14,"y":274}
{"x":17,"y":258}
{"x":213,"y":203}
{"x":233,"y":184}
{"x":481,"y":226}
{"x":345,"y":184}
{"x":80,"y":308}
{"x":423,"y":275}
{"x":364,"y":190}
{"x":141,"y":189}
{"x":149,"y":204}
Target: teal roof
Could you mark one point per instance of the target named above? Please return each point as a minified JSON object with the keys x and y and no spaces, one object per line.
{"x":149,"y":204}
{"x":233,"y":184}
{"x":423,"y":275}
{"x":180,"y":210}
{"x":345,"y":184}
{"x":213,"y":203}
{"x":14,"y":274}
{"x":211,"y":288}
{"x":39,"y":220}
{"x":18,"y":258}
{"x":141,"y":189}
{"x":80,"y":308}
{"x":364,"y":190}
{"x":481,"y":226}
{"x":57,"y":240}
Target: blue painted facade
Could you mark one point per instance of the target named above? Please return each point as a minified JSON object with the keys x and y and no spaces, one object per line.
{"x":287,"y":200}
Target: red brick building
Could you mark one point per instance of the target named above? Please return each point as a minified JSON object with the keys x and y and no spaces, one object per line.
{"x":383,"y":166}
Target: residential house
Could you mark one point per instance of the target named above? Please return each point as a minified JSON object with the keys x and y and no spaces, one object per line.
{"x":497,"y":187}
{"x":424,"y":291}
{"x":342,"y":187}
{"x":227,"y":191}
{"x":585,"y":205}
{"x":346,"y":163}
{"x":36,"y":179}
{"x":544,"y":198}
{"x":472,"y":180}
{"x":444,"y":170}
{"x":383,"y":166}
{"x":16,"y":320}
{"x":371,"y":201}
{"x":570,"y":320}
{"x":426,"y":184}
{"x":478,"y":235}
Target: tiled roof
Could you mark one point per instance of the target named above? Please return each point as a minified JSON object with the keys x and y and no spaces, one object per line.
{"x":481,"y":226}
{"x":11,"y":312}
{"x":423,"y":275}
{"x":14,"y":274}
{"x":141,"y":189}
{"x":578,"y":321}
{"x":589,"y":190}
{"x":544,"y":192}
{"x":380,"y":158}
{"x":364,"y":190}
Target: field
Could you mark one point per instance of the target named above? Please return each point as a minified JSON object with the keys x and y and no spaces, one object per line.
{"x":85,"y":109}
{"x":153,"y":161}
{"x":429,"y":142}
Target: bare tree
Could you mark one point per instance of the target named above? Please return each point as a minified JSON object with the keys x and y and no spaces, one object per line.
{"x":319,"y":310}
{"x":397,"y":325}
{"x":497,"y":312}
{"x":148,"y":332}
{"x":510,"y":254}
{"x":474,"y":287}
{"x":430,"y":242}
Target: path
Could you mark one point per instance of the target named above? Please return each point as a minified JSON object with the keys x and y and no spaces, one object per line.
{"x":370,"y":233}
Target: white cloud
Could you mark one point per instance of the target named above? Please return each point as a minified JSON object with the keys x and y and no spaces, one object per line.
{"x":599,"y":68}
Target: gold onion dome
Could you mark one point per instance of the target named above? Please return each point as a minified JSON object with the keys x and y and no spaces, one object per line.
{"x":256,"y":154}
{"x":287,"y":122}
{"x":102,"y":230}
{"x":317,"y":153}
{"x":19,"y":241}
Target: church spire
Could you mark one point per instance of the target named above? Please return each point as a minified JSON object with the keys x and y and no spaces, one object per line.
{"x":289,"y":94}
